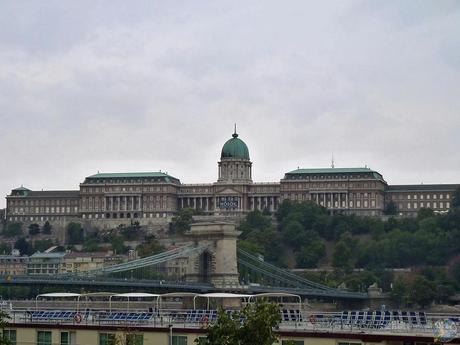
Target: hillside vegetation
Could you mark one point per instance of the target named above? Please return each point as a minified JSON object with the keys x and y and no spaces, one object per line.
{"x":361,"y":249}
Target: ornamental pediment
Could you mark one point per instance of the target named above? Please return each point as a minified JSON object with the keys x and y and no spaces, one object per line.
{"x":228,"y":191}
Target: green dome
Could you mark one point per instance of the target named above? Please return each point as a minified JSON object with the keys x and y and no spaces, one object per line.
{"x":235,"y":148}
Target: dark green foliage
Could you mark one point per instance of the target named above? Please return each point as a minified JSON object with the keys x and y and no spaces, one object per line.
{"x":309,"y":255}
{"x":47,"y":228}
{"x":304,"y":230}
{"x":183,"y":221}
{"x":425,"y":213}
{"x":343,"y":256}
{"x":74,"y":233}
{"x":456,"y":198}
{"x":3,"y":322}
{"x":151,"y":247}
{"x":91,"y":245}
{"x":34,"y":229}
{"x":5,"y":249}
{"x":399,"y":293}
{"x":12,"y":230}
{"x":261,"y":319}
{"x":23,"y":246}
{"x":390,"y":208}
{"x":132,"y":232}
{"x":42,"y":245}
{"x":118,"y":245}
{"x":422,"y":291}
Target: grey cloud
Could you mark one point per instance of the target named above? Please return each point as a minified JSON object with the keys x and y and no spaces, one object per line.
{"x":88,"y":86}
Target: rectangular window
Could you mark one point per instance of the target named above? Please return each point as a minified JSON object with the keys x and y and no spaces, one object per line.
{"x":435,"y":205}
{"x":134,"y":339}
{"x":107,"y":339}
{"x":415,"y":205}
{"x":65,"y":338}
{"x":408,"y":205}
{"x":179,"y":340}
{"x":44,"y":338}
{"x":447,"y":204}
{"x":441,"y":205}
{"x":10,"y":334}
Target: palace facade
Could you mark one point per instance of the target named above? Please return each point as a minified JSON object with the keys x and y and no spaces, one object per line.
{"x":114,"y":198}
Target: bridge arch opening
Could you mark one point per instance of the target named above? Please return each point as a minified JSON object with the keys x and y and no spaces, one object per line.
{"x":205,"y":267}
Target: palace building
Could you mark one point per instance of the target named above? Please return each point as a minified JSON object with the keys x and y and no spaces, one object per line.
{"x":114,"y":198}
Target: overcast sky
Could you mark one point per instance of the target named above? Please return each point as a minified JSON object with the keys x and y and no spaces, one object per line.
{"x":119,"y":86}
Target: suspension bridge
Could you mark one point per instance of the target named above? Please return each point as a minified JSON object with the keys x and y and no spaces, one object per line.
{"x":208,"y":261}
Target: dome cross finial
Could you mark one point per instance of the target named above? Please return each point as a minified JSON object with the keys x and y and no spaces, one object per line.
{"x":235,"y":134}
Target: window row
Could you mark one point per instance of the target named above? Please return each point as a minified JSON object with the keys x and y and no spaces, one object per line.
{"x":421,"y":204}
{"x":44,"y":202}
{"x":41,"y":210}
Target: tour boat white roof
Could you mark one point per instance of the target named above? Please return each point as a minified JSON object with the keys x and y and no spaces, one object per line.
{"x":275,"y":294}
{"x":135,"y":294}
{"x":223,"y":295}
{"x":59,"y":294}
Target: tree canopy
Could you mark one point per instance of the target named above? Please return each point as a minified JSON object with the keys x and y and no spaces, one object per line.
{"x":305,"y":235}
{"x":260,"y":320}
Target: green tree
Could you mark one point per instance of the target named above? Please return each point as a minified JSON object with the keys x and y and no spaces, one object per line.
{"x":34,"y":229}
{"x":132,"y":232}
{"x":13,"y":230}
{"x":5,"y":249}
{"x":343,"y":256}
{"x":425,"y":213}
{"x":422,"y":291}
{"x":74,"y":233}
{"x":152,"y":247}
{"x":399,"y":293}
{"x":3,"y":322}
{"x":47,"y":228}
{"x":91,"y":245}
{"x":117,"y":244}
{"x":23,"y":246}
{"x":42,"y":245}
{"x":456,"y":198}
{"x":390,"y":208}
{"x":260,"y":320}
{"x":183,"y":221}
{"x":310,"y":254}
{"x":254,"y":220}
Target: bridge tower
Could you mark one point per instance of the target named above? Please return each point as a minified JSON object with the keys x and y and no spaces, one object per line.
{"x":217,"y":263}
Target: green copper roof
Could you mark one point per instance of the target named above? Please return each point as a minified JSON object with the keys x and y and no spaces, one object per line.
{"x":235,"y":148}
{"x":133,"y":175}
{"x":22,"y":189}
{"x":331,"y":171}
